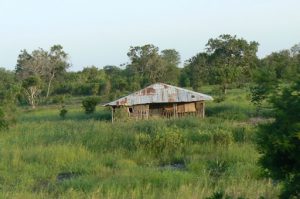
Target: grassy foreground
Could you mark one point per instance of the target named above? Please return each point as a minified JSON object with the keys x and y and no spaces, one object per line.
{"x":84,"y":156}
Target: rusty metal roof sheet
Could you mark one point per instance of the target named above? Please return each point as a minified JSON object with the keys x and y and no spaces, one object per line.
{"x":159,"y":93}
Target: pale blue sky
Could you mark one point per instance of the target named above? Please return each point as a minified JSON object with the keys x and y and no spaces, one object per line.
{"x":96,"y":32}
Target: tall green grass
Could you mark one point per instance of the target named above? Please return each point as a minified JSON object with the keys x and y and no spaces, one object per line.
{"x":133,"y":159}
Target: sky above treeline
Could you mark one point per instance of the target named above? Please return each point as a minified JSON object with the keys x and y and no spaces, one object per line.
{"x":98,"y":32}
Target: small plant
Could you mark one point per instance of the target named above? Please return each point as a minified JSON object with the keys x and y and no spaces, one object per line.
{"x":89,"y":104}
{"x":220,"y":96}
{"x":217,"y":195}
{"x":168,"y":146}
{"x":239,"y":135}
{"x":121,"y":114}
{"x":222,"y":138}
{"x":221,"y":195}
{"x":217,"y":168}
{"x":63,"y":112}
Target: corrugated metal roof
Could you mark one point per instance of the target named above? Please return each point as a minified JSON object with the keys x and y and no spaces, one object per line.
{"x":160,"y":93}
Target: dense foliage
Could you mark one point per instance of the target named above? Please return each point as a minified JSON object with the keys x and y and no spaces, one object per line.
{"x":228,"y":61}
{"x":279,"y":142}
{"x":89,"y":104}
{"x":8,"y":93}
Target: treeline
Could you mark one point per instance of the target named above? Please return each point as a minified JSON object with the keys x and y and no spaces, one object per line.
{"x":227,"y":61}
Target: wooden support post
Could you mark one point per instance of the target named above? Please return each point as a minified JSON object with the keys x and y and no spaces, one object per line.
{"x":203,"y":110}
{"x":175,"y":110}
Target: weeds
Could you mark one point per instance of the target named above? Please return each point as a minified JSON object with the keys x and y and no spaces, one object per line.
{"x":97,"y":159}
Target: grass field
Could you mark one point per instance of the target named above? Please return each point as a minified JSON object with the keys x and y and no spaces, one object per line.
{"x":85,"y":156}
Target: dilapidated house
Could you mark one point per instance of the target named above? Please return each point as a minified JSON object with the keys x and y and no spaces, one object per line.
{"x":161,"y":100}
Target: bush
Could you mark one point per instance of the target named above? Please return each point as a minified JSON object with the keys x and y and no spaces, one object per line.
{"x":220,"y":98}
{"x":59,"y":99}
{"x":279,"y":141}
{"x":221,"y":195}
{"x":217,"y":168}
{"x":121,"y":114}
{"x":63,"y":112}
{"x":219,"y":95}
{"x":168,"y":145}
{"x":199,"y":137}
{"x":222,"y":138}
{"x":89,"y":104}
{"x":239,"y":134}
{"x":149,"y":126}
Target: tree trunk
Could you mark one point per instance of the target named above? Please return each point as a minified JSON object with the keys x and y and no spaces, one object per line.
{"x":31,"y":97}
{"x":49,"y":85}
{"x":224,"y":89}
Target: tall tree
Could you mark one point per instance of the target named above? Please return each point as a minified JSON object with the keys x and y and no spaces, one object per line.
{"x":171,"y":56}
{"x":146,"y":62}
{"x":197,"y":70}
{"x":279,"y":141}
{"x":9,"y":88}
{"x":33,"y":64}
{"x":230,"y":58}
{"x":281,"y":63}
{"x":171,"y":59}
{"x":46,"y":65}
{"x":58,"y":65}
{"x":151,"y":66}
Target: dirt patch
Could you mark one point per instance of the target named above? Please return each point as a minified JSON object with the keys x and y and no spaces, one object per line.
{"x":259,"y":120}
{"x":176,"y":166}
{"x":66,"y":176}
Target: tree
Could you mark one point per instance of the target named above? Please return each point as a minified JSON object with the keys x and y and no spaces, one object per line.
{"x":151,"y":66}
{"x":95,"y":78}
{"x":146,"y":62}
{"x":265,"y":82}
{"x":171,"y":56}
{"x":117,"y":79}
{"x":230,"y":59}
{"x":58,"y":65}
{"x":197,"y":70}
{"x":295,"y":50}
{"x":9,"y":88}
{"x":171,"y":60}
{"x":43,"y":64}
{"x":280,"y":63}
{"x":31,"y":89}
{"x":32,"y":64}
{"x":279,"y":141}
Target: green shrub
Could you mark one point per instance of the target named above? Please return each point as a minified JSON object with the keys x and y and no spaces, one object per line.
{"x":279,"y":141}
{"x":89,"y":104}
{"x":222,"y":138}
{"x":168,"y":146}
{"x":149,"y":126}
{"x":217,"y":167}
{"x":239,"y":134}
{"x":63,"y":112}
{"x":199,"y":137}
{"x":220,"y":98}
{"x":121,"y":114}
{"x":221,"y":195}
{"x":218,"y":195}
{"x":59,"y":99}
